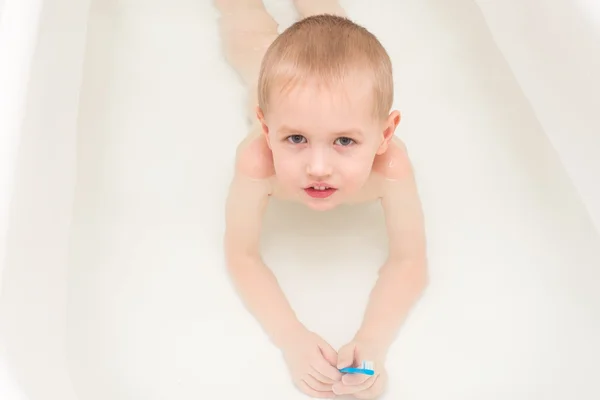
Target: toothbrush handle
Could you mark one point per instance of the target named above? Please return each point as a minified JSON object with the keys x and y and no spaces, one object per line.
{"x":357,"y":371}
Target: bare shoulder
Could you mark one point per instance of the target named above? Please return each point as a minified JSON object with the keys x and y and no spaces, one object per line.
{"x":248,"y":195}
{"x":254,"y":158}
{"x":401,"y":204}
{"x":395,"y":163}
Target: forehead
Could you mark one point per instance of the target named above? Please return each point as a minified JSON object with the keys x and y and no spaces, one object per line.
{"x":315,"y":103}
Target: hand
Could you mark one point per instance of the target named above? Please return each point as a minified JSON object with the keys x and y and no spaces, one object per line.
{"x":359,"y":385}
{"x":311,"y":362}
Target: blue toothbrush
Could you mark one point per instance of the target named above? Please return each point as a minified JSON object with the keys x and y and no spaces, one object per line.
{"x":365,"y":368}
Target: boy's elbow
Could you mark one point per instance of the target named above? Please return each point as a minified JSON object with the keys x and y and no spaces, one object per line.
{"x":422,"y":277}
{"x":240,"y":257}
{"x":420,"y":267}
{"x":414,"y":269}
{"x":239,"y":246}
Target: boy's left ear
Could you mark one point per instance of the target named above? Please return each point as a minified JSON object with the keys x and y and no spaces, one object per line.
{"x":388,"y":132}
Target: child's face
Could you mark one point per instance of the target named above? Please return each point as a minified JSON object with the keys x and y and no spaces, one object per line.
{"x":325,"y":138}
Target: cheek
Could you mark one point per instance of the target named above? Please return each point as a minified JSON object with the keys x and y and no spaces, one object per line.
{"x":284,"y":164}
{"x":359,"y":164}
{"x":356,"y":170}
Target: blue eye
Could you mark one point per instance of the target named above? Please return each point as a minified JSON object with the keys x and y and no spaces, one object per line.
{"x":344,"y":141}
{"x":296,"y":139}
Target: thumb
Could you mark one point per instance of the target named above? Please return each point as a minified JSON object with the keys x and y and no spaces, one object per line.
{"x":328,"y":352}
{"x":346,"y":356}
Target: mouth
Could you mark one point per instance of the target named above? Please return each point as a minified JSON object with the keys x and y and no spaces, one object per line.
{"x":320,"y":191}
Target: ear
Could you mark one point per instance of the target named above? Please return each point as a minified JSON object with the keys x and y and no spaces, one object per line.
{"x":263,"y":124}
{"x":391,"y":123}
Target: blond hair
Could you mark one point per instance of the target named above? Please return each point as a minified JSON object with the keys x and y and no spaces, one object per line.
{"x":328,"y":48}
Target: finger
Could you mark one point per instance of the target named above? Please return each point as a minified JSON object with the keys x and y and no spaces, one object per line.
{"x":315,"y":384}
{"x":323,"y":367}
{"x":346,"y":356}
{"x":355,"y":379}
{"x":328,"y":352}
{"x":314,"y":393}
{"x":320,"y":377}
{"x":340,"y":388}
{"x":373,"y":392}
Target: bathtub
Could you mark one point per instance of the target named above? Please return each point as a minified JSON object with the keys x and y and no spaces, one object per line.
{"x":112,"y":283}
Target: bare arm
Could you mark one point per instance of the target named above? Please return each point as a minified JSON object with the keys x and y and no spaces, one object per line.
{"x":403,"y":277}
{"x":255,"y":283}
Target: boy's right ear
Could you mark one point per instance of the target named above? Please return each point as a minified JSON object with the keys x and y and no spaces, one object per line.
{"x":263,"y":124}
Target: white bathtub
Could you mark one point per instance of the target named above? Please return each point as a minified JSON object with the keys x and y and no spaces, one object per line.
{"x":111,"y":272}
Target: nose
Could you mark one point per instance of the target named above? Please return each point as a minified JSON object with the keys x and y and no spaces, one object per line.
{"x":319,"y":165}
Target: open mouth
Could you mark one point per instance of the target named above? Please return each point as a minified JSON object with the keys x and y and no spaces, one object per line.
{"x":319,"y":192}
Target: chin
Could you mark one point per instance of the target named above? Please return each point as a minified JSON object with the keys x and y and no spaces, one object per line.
{"x":321,"y":205}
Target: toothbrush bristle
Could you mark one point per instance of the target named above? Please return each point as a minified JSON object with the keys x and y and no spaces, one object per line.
{"x":368,"y":365}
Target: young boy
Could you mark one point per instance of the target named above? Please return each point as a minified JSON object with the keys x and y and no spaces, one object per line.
{"x":323,"y":136}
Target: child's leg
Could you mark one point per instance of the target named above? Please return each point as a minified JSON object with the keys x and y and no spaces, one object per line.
{"x":306,"y":8}
{"x":247,"y":30}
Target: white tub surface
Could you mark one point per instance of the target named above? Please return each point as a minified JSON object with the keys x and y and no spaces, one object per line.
{"x":114,"y":285}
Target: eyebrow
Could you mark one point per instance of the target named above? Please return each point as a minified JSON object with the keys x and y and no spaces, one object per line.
{"x":285,"y":130}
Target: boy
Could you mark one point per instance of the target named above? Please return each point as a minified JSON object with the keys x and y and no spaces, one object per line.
{"x":323,"y":136}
